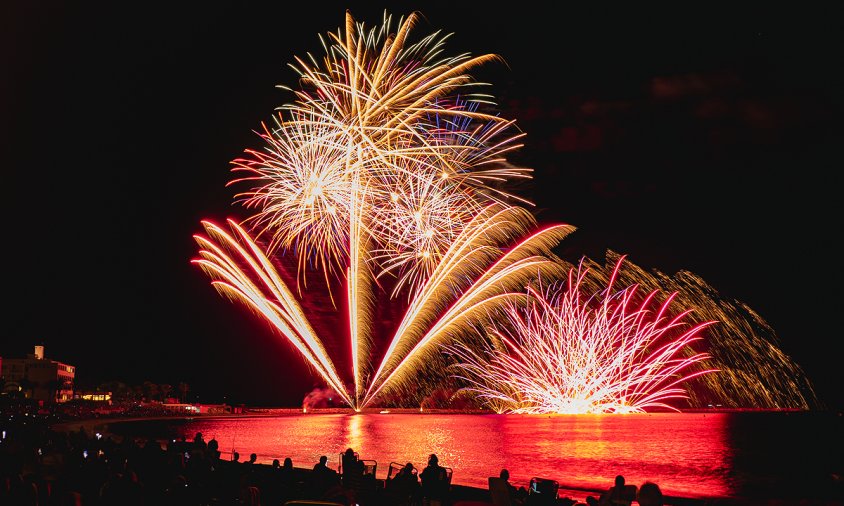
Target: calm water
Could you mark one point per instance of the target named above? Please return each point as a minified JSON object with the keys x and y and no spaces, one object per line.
{"x":689,"y":455}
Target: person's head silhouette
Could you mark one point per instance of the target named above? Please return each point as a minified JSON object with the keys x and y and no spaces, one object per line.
{"x":323,"y":460}
{"x":619,"y":481}
{"x":649,"y":494}
{"x":432,"y":459}
{"x":504,"y":475}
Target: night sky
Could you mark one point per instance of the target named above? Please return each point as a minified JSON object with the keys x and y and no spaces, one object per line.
{"x":709,"y":141}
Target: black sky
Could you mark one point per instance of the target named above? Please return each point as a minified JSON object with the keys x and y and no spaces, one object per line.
{"x":705,"y":140}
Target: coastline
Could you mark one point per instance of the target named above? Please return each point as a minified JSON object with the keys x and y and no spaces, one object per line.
{"x":460,"y":492}
{"x":474,"y":492}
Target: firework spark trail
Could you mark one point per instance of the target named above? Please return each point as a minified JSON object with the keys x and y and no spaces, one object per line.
{"x":306,"y":188}
{"x":753,"y":370}
{"x":415,"y":227}
{"x":476,"y":277}
{"x":377,"y":117}
{"x":475,"y":254}
{"x":282,"y":311}
{"x":383,"y":167}
{"x":561,"y":354}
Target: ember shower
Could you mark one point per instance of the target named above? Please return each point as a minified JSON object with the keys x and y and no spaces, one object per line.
{"x":387,"y":171}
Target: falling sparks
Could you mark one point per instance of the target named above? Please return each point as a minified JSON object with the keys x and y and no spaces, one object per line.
{"x":388,"y":172}
{"x":562,"y":352}
{"x":753,"y":371}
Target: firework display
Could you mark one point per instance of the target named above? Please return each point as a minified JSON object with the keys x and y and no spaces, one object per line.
{"x":387,"y":174}
{"x":752,"y":369}
{"x":566,"y":352}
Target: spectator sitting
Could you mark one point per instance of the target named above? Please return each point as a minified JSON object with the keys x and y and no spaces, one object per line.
{"x":649,"y":495}
{"x":323,"y":477}
{"x":617,"y":495}
{"x":321,"y":466}
{"x":287,"y":477}
{"x":517,"y":495}
{"x":434,"y":482}
{"x":406,"y":482}
{"x":213,"y":449}
{"x":352,"y":469}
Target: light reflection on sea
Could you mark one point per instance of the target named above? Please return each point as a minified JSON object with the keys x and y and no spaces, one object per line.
{"x":688,"y":455}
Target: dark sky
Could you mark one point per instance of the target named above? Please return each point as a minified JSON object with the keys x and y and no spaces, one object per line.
{"x":709,"y":141}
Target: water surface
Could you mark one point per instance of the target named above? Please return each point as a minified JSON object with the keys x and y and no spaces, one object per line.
{"x":688,"y":455}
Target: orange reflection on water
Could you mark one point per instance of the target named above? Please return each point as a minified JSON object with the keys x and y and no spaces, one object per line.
{"x":686,"y":454}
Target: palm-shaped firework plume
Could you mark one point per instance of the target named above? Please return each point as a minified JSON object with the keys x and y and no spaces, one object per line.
{"x":386,"y":173}
{"x":383,"y":166}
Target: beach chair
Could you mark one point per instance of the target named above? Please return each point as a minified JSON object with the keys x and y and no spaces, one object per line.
{"x":340,"y":462}
{"x":437,"y":493}
{"x":394,"y":469}
{"x":369,"y":467}
{"x":625,"y":498}
{"x":400,"y":491}
{"x":498,"y":492}
{"x":542,"y":491}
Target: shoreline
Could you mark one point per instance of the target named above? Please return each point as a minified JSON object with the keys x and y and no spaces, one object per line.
{"x":473,"y":491}
{"x":262,"y":412}
{"x":460,"y":491}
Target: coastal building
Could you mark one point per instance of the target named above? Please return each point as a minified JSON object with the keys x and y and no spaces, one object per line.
{"x":38,"y":378}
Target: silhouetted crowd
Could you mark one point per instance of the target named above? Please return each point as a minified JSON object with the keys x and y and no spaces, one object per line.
{"x":46,"y":468}
{"x":41,"y":467}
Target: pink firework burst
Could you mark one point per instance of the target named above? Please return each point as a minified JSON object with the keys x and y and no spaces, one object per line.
{"x":562,"y":352}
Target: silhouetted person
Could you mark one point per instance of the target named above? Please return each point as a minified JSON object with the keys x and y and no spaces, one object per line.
{"x":325,"y":482}
{"x":405,"y":485}
{"x":235,"y":457}
{"x":434,"y":482}
{"x":617,"y":495}
{"x":322,"y":476}
{"x":321,"y":466}
{"x":517,"y":495}
{"x":349,"y":460}
{"x":252,"y":459}
{"x":213,"y":450}
{"x":287,"y":474}
{"x":352,"y":469}
{"x":649,"y":494}
{"x":407,"y":472}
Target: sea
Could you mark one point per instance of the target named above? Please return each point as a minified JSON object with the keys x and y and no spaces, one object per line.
{"x":707,"y":455}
